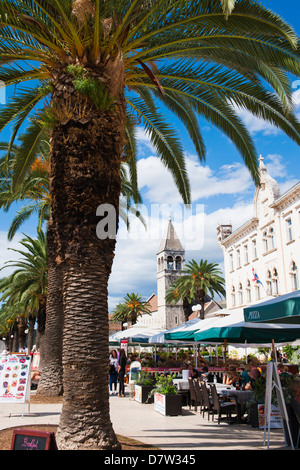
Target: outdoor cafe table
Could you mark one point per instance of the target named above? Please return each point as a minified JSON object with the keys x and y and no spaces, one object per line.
{"x":241,"y":397}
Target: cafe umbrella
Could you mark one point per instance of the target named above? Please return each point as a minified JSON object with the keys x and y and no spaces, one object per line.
{"x":136,"y":334}
{"x":240,"y":332}
{"x":282,"y":309}
{"x":250,"y":333}
{"x":186,"y":331}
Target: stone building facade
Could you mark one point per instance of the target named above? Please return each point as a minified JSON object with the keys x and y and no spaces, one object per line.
{"x":262,"y":257}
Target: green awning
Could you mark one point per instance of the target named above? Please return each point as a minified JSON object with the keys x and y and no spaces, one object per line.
{"x":283,"y":309}
{"x":254,"y":334}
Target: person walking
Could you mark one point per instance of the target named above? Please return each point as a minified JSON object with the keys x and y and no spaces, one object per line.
{"x":122,"y":371}
{"x":113,"y":371}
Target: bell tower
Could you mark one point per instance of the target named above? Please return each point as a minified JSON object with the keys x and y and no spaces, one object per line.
{"x":170,"y":261}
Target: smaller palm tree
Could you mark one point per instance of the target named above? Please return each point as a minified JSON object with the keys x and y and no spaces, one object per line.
{"x":198,"y":280}
{"x":27,"y":285}
{"x":132,"y":307}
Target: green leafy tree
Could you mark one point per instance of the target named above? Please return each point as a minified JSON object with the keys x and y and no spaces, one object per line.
{"x":99,"y":66}
{"x":132,"y":307}
{"x":197,"y":280}
{"x":24,"y":292}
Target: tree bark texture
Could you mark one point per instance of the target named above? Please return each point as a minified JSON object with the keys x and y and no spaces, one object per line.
{"x":51,"y":383}
{"x":85,"y":172}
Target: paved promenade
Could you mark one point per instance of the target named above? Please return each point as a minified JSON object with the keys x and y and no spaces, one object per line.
{"x":187,"y":432}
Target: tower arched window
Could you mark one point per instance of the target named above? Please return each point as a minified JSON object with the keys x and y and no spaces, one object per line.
{"x":178,"y":263}
{"x":170,"y":262}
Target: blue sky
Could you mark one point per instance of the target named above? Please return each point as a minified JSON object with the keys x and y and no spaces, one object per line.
{"x":222,"y":192}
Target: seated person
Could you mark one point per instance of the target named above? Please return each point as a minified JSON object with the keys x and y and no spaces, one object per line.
{"x":244,"y":375}
{"x":230,"y":377}
{"x":294,"y":388}
{"x":283,"y":371}
{"x":254,"y":374}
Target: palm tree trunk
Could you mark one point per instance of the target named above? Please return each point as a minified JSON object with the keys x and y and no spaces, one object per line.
{"x":15,"y":342}
{"x":30,"y":337}
{"x":50,"y":383}
{"x":201,"y":297}
{"x":85,"y":173}
{"x":85,"y":420}
{"x":22,"y":325}
{"x":186,"y":309}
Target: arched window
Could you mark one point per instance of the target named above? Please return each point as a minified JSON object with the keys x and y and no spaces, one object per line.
{"x":170,"y":262}
{"x":248,"y":291}
{"x":241,"y":299}
{"x":275,"y":281}
{"x":231,"y":262}
{"x":233,"y":296}
{"x":238,"y":258}
{"x":269,"y":283}
{"x":257,"y":292}
{"x":246,"y":254}
{"x":272,"y":238}
{"x":265,"y":241}
{"x":254,"y":249}
{"x":294,"y":274}
{"x":178,"y":263}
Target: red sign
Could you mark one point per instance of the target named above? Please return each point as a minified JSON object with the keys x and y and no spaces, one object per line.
{"x":27,"y":439}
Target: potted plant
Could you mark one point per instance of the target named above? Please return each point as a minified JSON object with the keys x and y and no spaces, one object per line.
{"x":143,"y":387}
{"x":166,"y":400}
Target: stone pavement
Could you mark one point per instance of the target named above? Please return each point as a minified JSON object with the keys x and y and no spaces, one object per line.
{"x":189,"y":432}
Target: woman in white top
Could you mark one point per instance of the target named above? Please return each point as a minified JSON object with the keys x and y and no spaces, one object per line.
{"x":113,"y":371}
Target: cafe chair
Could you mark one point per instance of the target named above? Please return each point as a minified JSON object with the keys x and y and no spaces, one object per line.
{"x":220,"y":406}
{"x":193,"y":397}
{"x":199,"y":394}
{"x":207,"y":402}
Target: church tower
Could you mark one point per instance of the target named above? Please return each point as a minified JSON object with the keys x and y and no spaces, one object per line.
{"x":170,"y":261}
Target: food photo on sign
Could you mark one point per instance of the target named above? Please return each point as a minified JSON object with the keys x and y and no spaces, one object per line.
{"x":14,"y":373}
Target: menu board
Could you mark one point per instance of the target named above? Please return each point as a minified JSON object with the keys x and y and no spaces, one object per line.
{"x":14,"y":378}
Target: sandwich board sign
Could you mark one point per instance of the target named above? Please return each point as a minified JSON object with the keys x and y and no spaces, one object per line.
{"x":15,"y":379}
{"x":273,"y":382}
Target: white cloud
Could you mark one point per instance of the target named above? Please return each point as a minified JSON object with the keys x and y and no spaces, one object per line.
{"x":158,"y":185}
{"x":275,"y":166}
{"x":255,"y":124}
{"x":7,"y":254}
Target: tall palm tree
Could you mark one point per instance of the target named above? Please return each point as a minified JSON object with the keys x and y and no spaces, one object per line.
{"x":34,"y":192}
{"x":103,"y":65}
{"x":197,"y":280}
